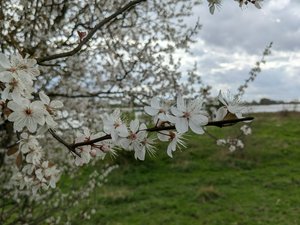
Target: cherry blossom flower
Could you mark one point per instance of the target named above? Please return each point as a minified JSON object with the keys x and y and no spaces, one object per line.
{"x":149,"y":147}
{"x":101,"y":148}
{"x":14,"y":88}
{"x":26,"y":142}
{"x":231,"y":105}
{"x":47,"y":174}
{"x":221,"y":142}
{"x":113,"y":125}
{"x":246,"y":130}
{"x":188,"y":115}
{"x":84,"y":151}
{"x":21,"y":68}
{"x":174,"y":138}
{"x":50,"y":107}
{"x":157,"y":109}
{"x":26,"y":114}
{"x":235,"y":144}
{"x":134,"y":139}
{"x":30,"y":146}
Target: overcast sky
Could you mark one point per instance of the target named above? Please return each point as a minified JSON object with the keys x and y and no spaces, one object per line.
{"x":233,"y":39}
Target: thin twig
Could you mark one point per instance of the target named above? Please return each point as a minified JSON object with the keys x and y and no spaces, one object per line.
{"x":59,"y":139}
{"x":129,"y":6}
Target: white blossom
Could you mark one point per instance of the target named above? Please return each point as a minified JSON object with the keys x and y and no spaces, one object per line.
{"x":134,"y":139}
{"x":157,"y":110}
{"x":189,"y":115}
{"x":50,"y":108}
{"x":26,"y":114}
{"x":231,"y":104}
{"x":113,"y":125}
{"x":246,"y":130}
{"x":174,"y":138}
{"x":221,"y":142}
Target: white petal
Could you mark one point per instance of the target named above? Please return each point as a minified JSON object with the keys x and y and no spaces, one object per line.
{"x":31,"y":125}
{"x":221,"y":99}
{"x":134,"y":125}
{"x":199,"y":119}
{"x":221,"y":113}
{"x":4,"y":62}
{"x":180,"y":103}
{"x":122,"y":131}
{"x":151,"y":111}
{"x":50,"y":122}
{"x":182,"y":125}
{"x":196,"y":128}
{"x":171,"y":118}
{"x":56,"y":104}
{"x":163,"y":136}
{"x":124,"y":143}
{"x":13,"y":116}
{"x":5,"y":76}
{"x":140,"y":154}
{"x":155,"y":102}
{"x":176,"y":111}
{"x":45,"y":99}
{"x":40,"y":119}
{"x":171,"y":148}
{"x":14,"y":106}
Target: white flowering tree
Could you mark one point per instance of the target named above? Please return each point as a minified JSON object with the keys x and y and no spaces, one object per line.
{"x":65,"y":69}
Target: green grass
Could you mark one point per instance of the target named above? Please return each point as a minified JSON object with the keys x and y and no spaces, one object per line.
{"x":203,"y":184}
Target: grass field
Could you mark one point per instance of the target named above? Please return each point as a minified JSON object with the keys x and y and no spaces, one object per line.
{"x":203,"y":184}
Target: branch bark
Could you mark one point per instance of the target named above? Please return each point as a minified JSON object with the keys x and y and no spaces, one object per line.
{"x":72,"y":147}
{"x":125,"y":8}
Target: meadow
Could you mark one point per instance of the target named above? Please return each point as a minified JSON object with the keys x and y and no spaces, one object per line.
{"x":204,"y":184}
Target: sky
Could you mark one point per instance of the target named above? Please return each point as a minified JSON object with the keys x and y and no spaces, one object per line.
{"x":233,"y":39}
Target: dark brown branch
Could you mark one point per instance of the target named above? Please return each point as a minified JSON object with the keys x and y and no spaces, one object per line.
{"x":127,"y":7}
{"x":59,"y":139}
{"x":221,"y":123}
{"x":87,"y":95}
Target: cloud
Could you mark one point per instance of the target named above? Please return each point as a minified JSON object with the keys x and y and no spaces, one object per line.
{"x":232,"y":40}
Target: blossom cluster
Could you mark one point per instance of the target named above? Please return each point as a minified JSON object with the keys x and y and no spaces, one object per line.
{"x":31,"y":114}
{"x":235,"y":144}
{"x":171,"y":123}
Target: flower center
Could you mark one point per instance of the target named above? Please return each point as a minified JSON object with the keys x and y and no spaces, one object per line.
{"x":133,"y":136}
{"x":161,"y":111}
{"x":186,"y":115}
{"x":172,"y":135}
{"x":13,"y":69}
{"x":13,"y":83}
{"x":28,"y":111}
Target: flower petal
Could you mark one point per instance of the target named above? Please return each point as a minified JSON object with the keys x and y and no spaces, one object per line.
{"x":45,"y":99}
{"x":196,"y":128}
{"x":151,"y":111}
{"x":182,"y":125}
{"x":180,"y":103}
{"x":134,"y":125}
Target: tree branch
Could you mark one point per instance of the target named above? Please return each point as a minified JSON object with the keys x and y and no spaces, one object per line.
{"x":72,"y":147}
{"x":127,"y":7}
